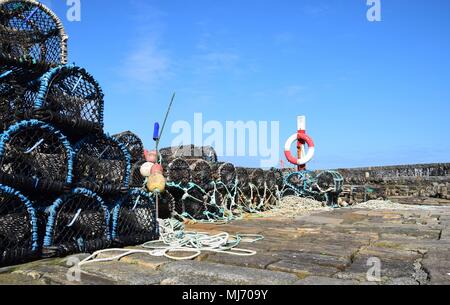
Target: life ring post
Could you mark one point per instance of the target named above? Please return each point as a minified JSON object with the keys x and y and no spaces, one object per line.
{"x":302,"y":139}
{"x":301,"y":129}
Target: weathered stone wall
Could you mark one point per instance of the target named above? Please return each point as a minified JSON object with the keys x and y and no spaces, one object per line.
{"x":424,"y":183}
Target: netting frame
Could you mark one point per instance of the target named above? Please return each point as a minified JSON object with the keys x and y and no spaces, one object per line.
{"x":48,"y":241}
{"x":40,"y":107}
{"x":34,"y":251}
{"x":125,"y":241}
{"x":122,"y":147}
{"x":8,"y":134}
{"x":63,"y":54}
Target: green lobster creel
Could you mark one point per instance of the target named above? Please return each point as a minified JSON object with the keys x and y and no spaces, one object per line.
{"x":133,"y":143}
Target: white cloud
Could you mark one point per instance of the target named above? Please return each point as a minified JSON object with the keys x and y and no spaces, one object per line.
{"x":293,"y":90}
{"x":147,"y":65}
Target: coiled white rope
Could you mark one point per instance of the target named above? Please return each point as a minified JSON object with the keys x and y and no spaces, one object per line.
{"x":174,"y":238}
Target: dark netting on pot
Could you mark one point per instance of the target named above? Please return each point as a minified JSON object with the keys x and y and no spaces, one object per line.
{"x":209,"y":154}
{"x":179,"y":172}
{"x":299,"y":184}
{"x":278,"y":178}
{"x":224,"y":174}
{"x":18,"y":228}
{"x":30,"y":32}
{"x":201,"y":173}
{"x":136,"y":178}
{"x":206,"y":153}
{"x":102,"y":164}
{"x":257,"y":178}
{"x":134,"y":219}
{"x":133,"y":143}
{"x":35,"y":157}
{"x":166,"y":205}
{"x":14,"y":78}
{"x":191,"y":202}
{"x":77,"y":223}
{"x":68,"y":97}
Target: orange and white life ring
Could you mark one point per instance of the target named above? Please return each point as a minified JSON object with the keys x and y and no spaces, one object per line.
{"x":296,"y":137}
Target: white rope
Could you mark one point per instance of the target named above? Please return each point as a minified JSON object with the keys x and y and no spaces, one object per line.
{"x":174,"y":238}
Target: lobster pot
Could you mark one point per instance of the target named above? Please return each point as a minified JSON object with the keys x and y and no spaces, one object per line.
{"x":206,"y":153}
{"x":9,"y":99}
{"x":133,"y":143}
{"x":68,"y":97}
{"x":166,"y":205}
{"x":201,"y":173}
{"x":270,"y":180}
{"x":243,"y":179}
{"x":179,"y":172}
{"x":299,"y":184}
{"x":278,"y":178}
{"x":257,"y":178}
{"x":134,"y":219}
{"x":30,"y":32}
{"x":102,"y":164}
{"x":192,"y":205}
{"x":18,"y":228}
{"x":329,"y":185}
{"x":77,"y":223}
{"x":35,"y":157}
{"x":224,"y":174}
{"x":136,"y":179}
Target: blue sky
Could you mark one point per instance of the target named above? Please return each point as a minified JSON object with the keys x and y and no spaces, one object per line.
{"x":375,"y":93}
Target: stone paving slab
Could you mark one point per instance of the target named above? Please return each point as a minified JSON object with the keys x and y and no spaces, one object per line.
{"x":323,"y":248}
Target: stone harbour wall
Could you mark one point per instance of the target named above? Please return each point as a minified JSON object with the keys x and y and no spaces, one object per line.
{"x":421,"y":183}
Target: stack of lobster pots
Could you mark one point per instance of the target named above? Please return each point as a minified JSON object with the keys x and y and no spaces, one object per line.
{"x":199,"y":187}
{"x":64,"y":183}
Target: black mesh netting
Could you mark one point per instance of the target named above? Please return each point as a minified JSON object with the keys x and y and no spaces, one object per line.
{"x":270,"y":180}
{"x":191,"y":204}
{"x":77,"y":223}
{"x":134,"y":219}
{"x":166,"y":205}
{"x":179,"y":172}
{"x":68,"y":97}
{"x":18,"y":228}
{"x":206,"y":153}
{"x":257,"y":178}
{"x":133,"y":143}
{"x":31,"y":32}
{"x":102,"y":164}
{"x":136,"y":179}
{"x":35,"y":157}
{"x":225,"y":174}
{"x":201,"y":173}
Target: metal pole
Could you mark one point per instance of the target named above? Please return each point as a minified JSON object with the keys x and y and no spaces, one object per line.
{"x":301,"y":128}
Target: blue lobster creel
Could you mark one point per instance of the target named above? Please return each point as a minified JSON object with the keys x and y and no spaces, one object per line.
{"x":134,"y":219}
{"x":35,"y":157}
{"x":68,"y":97}
{"x":30,"y":32}
{"x":18,"y":228}
{"x":77,"y":223}
{"x":102,"y":164}
{"x":133,"y":143}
